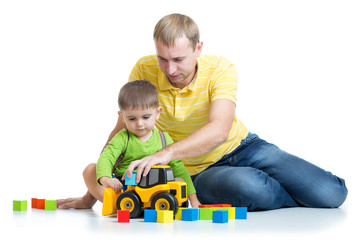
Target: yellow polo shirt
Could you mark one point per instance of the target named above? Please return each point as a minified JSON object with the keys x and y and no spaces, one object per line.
{"x":186,"y":110}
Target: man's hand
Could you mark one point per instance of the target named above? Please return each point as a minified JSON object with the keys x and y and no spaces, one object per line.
{"x":144,"y":165}
{"x":113,"y":183}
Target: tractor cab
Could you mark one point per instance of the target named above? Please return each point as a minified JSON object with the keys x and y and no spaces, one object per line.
{"x":156,"y":176}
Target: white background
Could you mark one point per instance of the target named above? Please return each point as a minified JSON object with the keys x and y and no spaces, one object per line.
{"x":62,"y":64}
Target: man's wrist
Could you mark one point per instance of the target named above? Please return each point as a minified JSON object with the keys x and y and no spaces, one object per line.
{"x":167,"y":154}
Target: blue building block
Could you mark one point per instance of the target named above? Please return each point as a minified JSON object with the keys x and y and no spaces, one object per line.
{"x":150,"y":215}
{"x":241,"y":213}
{"x":220,"y":216}
{"x":190,"y":214}
{"x":132,"y":180}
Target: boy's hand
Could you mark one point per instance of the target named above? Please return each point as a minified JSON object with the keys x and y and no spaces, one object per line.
{"x":113,"y":183}
{"x":194,"y":202}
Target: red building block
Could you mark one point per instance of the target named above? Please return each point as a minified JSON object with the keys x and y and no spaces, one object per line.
{"x":40,"y":204}
{"x":210,"y":205}
{"x":34,"y":202}
{"x":123,"y":216}
{"x":225,"y":205}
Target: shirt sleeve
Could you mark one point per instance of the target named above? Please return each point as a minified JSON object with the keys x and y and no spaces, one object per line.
{"x":180,"y":170}
{"x":224,"y":82}
{"x":109,"y":156}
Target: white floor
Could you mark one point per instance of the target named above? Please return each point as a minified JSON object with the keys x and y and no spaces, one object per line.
{"x":63,"y":62}
{"x":296,"y":223}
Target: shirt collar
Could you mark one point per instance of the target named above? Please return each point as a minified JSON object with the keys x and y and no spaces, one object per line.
{"x":164,"y":83}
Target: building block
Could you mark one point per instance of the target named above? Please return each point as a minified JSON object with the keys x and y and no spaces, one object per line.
{"x":220,"y":216}
{"x":19,"y":205}
{"x":165,"y":216}
{"x":50,"y":205}
{"x":178,"y":215}
{"x":123,"y":215}
{"x":205,"y":213}
{"x":231,"y":213}
{"x":225,"y":205}
{"x":132,"y":180}
{"x":210,"y":205}
{"x":241,"y":213}
{"x":190,"y":214}
{"x":33,"y":202}
{"x":150,"y":215}
{"x":40,"y":204}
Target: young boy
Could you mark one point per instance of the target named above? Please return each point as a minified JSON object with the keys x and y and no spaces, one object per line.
{"x":138,"y":102}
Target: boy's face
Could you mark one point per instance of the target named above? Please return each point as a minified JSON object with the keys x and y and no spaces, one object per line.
{"x":178,"y":62}
{"x":140,"y":122}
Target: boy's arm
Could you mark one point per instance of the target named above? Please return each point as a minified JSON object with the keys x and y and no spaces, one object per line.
{"x":181,"y":172}
{"x":109,"y":156}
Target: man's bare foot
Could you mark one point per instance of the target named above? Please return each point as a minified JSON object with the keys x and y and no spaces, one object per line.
{"x":85,"y":202}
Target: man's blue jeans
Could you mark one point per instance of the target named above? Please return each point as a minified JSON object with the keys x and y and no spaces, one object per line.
{"x":260,"y":176}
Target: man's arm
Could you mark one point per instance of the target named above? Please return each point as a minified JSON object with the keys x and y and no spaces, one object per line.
{"x":215,"y":132}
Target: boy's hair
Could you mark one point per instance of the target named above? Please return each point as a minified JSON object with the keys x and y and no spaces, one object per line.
{"x":175,"y":25}
{"x":138,"y":94}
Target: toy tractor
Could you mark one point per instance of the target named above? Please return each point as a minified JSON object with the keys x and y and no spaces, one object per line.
{"x":158,"y":190}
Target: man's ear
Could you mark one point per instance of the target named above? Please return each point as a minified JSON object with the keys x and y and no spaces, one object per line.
{"x":198,"y":48}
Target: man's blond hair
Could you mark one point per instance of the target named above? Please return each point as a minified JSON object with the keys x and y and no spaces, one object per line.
{"x":175,"y":25}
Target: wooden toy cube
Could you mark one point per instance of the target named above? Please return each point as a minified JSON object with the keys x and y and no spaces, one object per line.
{"x":220,"y":216}
{"x":178,"y":214}
{"x":231,"y":212}
{"x":33,"y":202}
{"x":190,"y":214}
{"x":205,"y":213}
{"x":165,"y":216}
{"x":19,"y":205}
{"x":123,"y":216}
{"x":241,"y":213}
{"x":132,"y":180}
{"x":209,"y":205}
{"x":40,"y":204}
{"x":50,"y":204}
{"x":150,"y":215}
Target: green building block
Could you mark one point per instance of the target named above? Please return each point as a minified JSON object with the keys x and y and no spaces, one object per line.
{"x":20,"y":205}
{"x":50,"y":205}
{"x":206,"y":213}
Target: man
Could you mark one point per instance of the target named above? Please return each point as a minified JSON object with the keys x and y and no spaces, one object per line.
{"x":227,"y":163}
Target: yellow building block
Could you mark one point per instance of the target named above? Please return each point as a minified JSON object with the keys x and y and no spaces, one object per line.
{"x":165,"y":216}
{"x":231,"y":212}
{"x":178,"y":215}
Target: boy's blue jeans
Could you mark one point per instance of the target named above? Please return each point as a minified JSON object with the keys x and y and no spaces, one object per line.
{"x":260,"y":176}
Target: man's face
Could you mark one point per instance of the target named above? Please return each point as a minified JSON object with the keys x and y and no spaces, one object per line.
{"x":178,"y":62}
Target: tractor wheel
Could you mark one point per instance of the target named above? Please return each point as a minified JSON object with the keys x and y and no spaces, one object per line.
{"x":165,"y":201}
{"x":131,"y":202}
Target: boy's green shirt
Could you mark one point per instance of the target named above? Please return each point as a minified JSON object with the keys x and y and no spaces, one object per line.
{"x":136,"y":150}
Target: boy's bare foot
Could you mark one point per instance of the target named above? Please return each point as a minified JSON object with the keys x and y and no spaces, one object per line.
{"x":85,"y":202}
